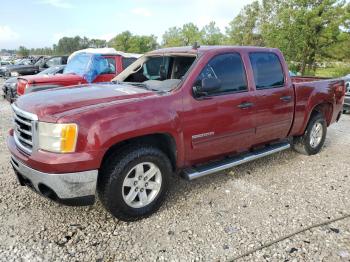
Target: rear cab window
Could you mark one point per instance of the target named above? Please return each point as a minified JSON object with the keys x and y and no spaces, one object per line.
{"x":126,"y":61}
{"x":267,"y":70}
{"x":229,"y":69}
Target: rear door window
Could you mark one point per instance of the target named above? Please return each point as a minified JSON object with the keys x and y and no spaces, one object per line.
{"x":267,"y":70}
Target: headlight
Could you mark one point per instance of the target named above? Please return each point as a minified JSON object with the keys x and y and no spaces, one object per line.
{"x":14,"y":73}
{"x":58,"y":138}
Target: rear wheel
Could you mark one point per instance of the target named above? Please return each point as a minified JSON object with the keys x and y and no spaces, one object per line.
{"x":314,"y":137}
{"x":133,"y":184}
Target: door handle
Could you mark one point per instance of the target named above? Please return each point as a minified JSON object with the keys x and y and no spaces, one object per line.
{"x":286,"y":98}
{"x":245,"y":105}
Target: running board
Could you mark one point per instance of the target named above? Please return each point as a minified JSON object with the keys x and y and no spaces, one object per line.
{"x":197,"y":172}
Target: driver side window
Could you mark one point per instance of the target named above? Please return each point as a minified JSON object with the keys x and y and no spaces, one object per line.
{"x":229,"y":69}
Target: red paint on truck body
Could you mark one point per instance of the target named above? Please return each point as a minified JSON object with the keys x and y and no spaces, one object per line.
{"x":108,"y":114}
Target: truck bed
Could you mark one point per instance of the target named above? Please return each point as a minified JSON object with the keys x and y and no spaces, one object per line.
{"x":310,"y":90}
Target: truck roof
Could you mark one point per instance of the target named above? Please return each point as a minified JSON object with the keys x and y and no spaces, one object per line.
{"x":204,"y":49}
{"x":104,"y":51}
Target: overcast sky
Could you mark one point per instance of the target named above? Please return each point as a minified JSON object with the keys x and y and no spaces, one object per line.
{"x":39,"y":23}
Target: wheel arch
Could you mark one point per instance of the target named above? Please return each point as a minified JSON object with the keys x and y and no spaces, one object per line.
{"x":325,"y":108}
{"x":163,"y":141}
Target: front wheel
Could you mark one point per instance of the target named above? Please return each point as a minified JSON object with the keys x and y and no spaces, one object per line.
{"x":133,"y":184}
{"x":314,"y":137}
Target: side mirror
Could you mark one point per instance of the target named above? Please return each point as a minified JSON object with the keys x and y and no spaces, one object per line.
{"x":208,"y":85}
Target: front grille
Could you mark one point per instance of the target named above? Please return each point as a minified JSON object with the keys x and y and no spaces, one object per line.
{"x":24,"y":129}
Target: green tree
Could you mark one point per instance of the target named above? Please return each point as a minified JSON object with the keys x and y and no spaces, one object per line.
{"x":304,"y":30}
{"x":97,"y":43}
{"x":121,"y":42}
{"x":142,"y":44}
{"x":191,"y":34}
{"x":212,"y":35}
{"x":22,"y":51}
{"x":244,"y":28}
{"x":128,"y":42}
{"x":68,"y":45}
{"x":172,"y":37}
{"x":187,"y":35}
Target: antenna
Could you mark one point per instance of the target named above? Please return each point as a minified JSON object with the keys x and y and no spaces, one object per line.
{"x":196,"y":45}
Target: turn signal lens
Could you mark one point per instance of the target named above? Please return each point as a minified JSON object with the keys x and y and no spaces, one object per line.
{"x":58,"y":138}
{"x":68,"y":138}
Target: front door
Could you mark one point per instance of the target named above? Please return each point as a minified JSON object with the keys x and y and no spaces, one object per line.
{"x":220,"y":122}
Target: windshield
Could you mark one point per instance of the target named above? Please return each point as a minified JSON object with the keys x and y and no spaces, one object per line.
{"x":52,"y":70}
{"x":157,"y":72}
{"x":40,"y":61}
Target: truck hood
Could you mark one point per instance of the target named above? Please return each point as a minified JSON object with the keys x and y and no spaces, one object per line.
{"x":52,"y":104}
{"x":54,"y":79}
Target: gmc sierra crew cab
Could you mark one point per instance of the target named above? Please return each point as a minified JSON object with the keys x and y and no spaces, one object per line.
{"x":191,"y":111}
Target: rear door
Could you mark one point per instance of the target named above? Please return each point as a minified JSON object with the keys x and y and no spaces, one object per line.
{"x":274,"y":97}
{"x":220,"y":122}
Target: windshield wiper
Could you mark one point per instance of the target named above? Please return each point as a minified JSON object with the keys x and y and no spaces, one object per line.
{"x":141,"y":85}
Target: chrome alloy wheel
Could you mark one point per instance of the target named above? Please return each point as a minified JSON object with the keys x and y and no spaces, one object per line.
{"x":141,"y":185}
{"x":316,"y":135}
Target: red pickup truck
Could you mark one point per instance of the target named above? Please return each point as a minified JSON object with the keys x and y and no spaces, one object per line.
{"x":189,"y":111}
{"x":82,"y":68}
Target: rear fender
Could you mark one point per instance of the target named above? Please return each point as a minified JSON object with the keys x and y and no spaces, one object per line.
{"x":325,"y":107}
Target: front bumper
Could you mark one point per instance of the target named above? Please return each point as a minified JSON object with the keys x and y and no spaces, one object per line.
{"x":75,"y":189}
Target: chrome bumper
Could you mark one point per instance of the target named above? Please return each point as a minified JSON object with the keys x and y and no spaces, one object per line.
{"x":65,"y":186}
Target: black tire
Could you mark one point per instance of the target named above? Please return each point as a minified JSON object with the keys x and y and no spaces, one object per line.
{"x":302,"y":144}
{"x":115,"y":169}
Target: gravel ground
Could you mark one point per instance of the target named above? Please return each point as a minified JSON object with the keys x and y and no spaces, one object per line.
{"x":218,"y":217}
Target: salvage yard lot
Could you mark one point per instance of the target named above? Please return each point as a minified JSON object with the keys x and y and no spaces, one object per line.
{"x":217,"y":217}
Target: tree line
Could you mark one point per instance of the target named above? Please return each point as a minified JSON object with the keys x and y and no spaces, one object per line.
{"x":307,"y":32}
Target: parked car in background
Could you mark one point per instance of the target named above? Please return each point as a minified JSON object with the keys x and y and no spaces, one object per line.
{"x":40,"y":64}
{"x":347,"y":95}
{"x":5,"y":63}
{"x":190,"y":111}
{"x":10,"y":85}
{"x":82,"y":68}
{"x":4,"y":70}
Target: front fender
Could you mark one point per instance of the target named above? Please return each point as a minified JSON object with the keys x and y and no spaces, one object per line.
{"x":104,"y":126}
